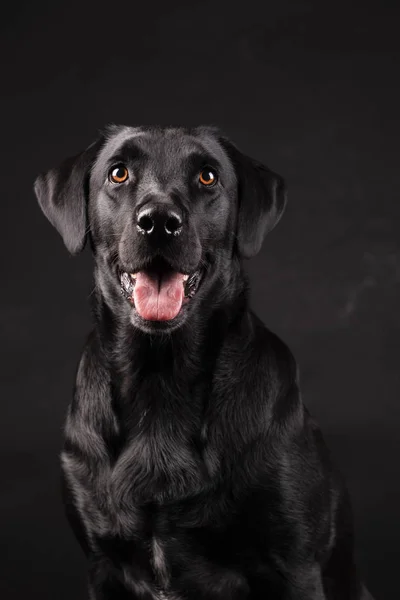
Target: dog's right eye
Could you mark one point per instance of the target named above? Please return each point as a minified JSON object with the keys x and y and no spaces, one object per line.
{"x":118,"y":174}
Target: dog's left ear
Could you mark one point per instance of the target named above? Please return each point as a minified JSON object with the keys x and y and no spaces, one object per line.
{"x":63,"y":193}
{"x":262,"y":200}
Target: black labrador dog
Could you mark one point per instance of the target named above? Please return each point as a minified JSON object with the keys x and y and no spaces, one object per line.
{"x":191,"y":468}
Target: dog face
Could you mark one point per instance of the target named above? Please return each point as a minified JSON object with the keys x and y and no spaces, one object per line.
{"x":167,"y":210}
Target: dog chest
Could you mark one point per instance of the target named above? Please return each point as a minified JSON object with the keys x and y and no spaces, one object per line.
{"x":109,"y":493}
{"x":137,"y":529}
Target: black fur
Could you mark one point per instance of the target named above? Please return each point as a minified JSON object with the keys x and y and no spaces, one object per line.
{"x":191,"y":468}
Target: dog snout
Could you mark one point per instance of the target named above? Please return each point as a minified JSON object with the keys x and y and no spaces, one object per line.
{"x":159,"y":220}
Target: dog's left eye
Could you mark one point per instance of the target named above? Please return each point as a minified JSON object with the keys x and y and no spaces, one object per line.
{"x":118,"y":174}
{"x":208,"y":177}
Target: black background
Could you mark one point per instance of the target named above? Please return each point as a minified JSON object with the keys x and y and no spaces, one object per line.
{"x":310,"y":88}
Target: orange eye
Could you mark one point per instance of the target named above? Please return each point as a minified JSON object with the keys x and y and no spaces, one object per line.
{"x":208,"y":177}
{"x":118,"y":174}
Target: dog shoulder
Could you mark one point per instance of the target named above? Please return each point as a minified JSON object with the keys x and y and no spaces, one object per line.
{"x":90,"y":416}
{"x":92,"y":377}
{"x":256,"y":376}
{"x":264,"y":361}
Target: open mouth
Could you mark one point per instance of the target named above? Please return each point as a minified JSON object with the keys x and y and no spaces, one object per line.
{"x":159,"y":292}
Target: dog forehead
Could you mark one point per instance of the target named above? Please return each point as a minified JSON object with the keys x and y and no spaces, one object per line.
{"x":164,"y":148}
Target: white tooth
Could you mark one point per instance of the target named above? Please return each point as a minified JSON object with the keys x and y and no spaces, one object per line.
{"x":133,"y":275}
{"x":185,"y":277}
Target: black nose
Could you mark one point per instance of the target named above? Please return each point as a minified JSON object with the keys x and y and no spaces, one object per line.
{"x":159,"y":220}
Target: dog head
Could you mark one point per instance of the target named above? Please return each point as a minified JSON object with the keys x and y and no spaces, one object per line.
{"x":167,"y":210}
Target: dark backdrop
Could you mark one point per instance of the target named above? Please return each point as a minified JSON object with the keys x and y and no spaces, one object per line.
{"x":312,"y":89}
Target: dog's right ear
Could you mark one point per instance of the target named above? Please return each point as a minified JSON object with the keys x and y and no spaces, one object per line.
{"x":63,"y":193}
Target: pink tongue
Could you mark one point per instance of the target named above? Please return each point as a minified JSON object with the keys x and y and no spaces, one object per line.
{"x":158,"y":299}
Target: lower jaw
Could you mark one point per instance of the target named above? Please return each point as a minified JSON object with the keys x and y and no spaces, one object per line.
{"x":158,"y":327}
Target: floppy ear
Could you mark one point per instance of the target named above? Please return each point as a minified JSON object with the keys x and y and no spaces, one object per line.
{"x":262,"y":200}
{"x":62,"y":194}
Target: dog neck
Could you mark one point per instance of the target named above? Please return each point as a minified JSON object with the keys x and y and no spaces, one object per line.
{"x":134,"y":356}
